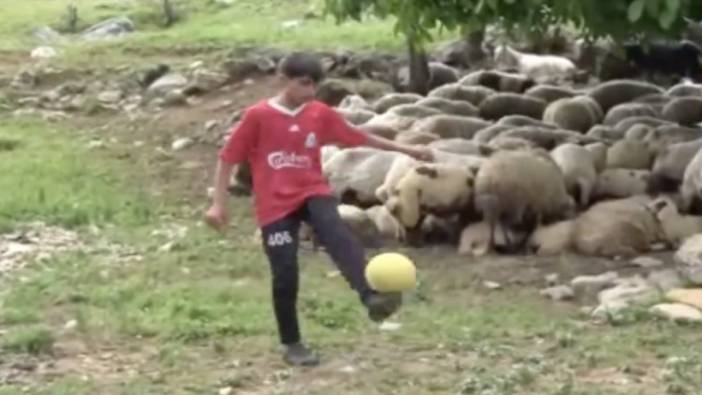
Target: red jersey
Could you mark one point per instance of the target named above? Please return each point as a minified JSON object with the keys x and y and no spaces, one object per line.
{"x":282,"y":147}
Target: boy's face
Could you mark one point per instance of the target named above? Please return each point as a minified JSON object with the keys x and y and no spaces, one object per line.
{"x":300,"y":89}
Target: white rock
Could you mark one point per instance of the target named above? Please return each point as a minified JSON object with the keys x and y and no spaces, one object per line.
{"x":211,"y":125}
{"x":390,"y":326}
{"x":628,"y":292}
{"x":559,"y":292}
{"x":96,"y":144}
{"x":70,"y":325}
{"x":43,"y":53}
{"x":646,"y":262}
{"x":491,"y":285}
{"x":689,"y":259}
{"x":348,"y":369}
{"x":181,"y":143}
{"x":677,"y":312}
{"x":111,"y":96}
{"x":291,"y":24}
{"x":196,"y":64}
{"x":168,"y":82}
{"x":174,"y":97}
{"x":114,"y":27}
{"x":225,"y":391}
{"x":207,"y":80}
{"x":594,"y":283}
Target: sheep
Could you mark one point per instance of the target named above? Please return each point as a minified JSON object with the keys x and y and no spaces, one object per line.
{"x":356,"y":117}
{"x":620,"y":183}
{"x":451,"y":107}
{"x":541,"y":68}
{"x":617,"y":228}
{"x":628,"y":110}
{"x":657,"y":101}
{"x":521,"y":188}
{"x":605,"y":133}
{"x":578,"y":113}
{"x":355,"y":173}
{"x":502,"y":104}
{"x":638,"y":132}
{"x":685,"y":89}
{"x":671,"y":134}
{"x":611,"y":93}
{"x":437,"y":229}
{"x":416,"y":137}
{"x":389,"y":121}
{"x":629,"y":154}
{"x":523,"y":120}
{"x":470,"y":94}
{"x":552,"y":239}
{"x":436,"y":188}
{"x":439,"y":74}
{"x":498,"y":81}
{"x":400,"y":166}
{"x":510,"y":143}
{"x":475,"y":238}
{"x":681,"y":58}
{"x":460,"y":146}
{"x":450,"y":126}
{"x":354,"y":102}
{"x":669,"y":166}
{"x":388,"y":226}
{"x":548,"y":138}
{"x":684,"y":110}
{"x":627,"y":123}
{"x":413,"y":111}
{"x":485,"y":135}
{"x":599,"y":155}
{"x":676,"y":227}
{"x":394,"y":99}
{"x":327,"y":151}
{"x":549,"y":93}
{"x":691,"y":188}
{"x":380,"y":129}
{"x":578,"y":167}
{"x":360,"y":224}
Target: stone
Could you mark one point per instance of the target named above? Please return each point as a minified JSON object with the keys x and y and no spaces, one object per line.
{"x":110,"y":28}
{"x":593,"y":283}
{"x":168,"y":82}
{"x":292,"y":24}
{"x":665,"y":280}
{"x":558,"y":292}
{"x":389,"y":326}
{"x":677,"y":312}
{"x":646,"y":262}
{"x":175,"y":97}
{"x":491,"y":285}
{"x":689,"y":259}
{"x":211,"y":125}
{"x":689,"y":296}
{"x":47,"y":34}
{"x":204,"y":80}
{"x":181,"y":144}
{"x":43,"y":52}
{"x":628,"y":292}
{"x":110,"y":97}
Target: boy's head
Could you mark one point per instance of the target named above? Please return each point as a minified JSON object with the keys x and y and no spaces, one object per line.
{"x":301,"y":73}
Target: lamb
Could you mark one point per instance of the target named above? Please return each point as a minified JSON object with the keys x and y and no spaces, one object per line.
{"x":436,"y":188}
{"x":599,"y":155}
{"x":670,"y":164}
{"x":521,"y":188}
{"x":552,"y":239}
{"x":578,"y":167}
{"x":681,"y":58}
{"x":628,"y":110}
{"x":451,"y":107}
{"x":617,"y":228}
{"x":473,"y":95}
{"x":619,"y":91}
{"x":578,"y":113}
{"x":541,"y":68}
{"x":394,"y":99}
{"x":691,"y":188}
{"x":498,"y":81}
{"x":620,"y":183}
{"x":502,"y":104}
{"x":684,"y":110}
{"x":450,"y":126}
{"x":676,"y":227}
{"x":549,"y":93}
{"x":629,"y":154}
{"x":355,"y":173}
{"x":388,"y":226}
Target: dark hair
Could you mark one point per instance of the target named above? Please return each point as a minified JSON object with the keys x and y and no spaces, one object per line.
{"x":300,"y":64}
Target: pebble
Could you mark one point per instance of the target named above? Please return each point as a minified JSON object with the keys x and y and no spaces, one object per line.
{"x":181,"y":143}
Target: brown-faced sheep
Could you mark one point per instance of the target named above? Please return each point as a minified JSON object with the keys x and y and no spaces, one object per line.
{"x":628,"y":110}
{"x":394,"y":99}
{"x":451,"y":107}
{"x":611,"y":93}
{"x":620,"y":183}
{"x":498,"y":80}
{"x":684,"y":110}
{"x":458,"y":92}
{"x":549,"y":93}
{"x":629,"y":154}
{"x":521,"y":188}
{"x":450,"y":126}
{"x":670,"y":164}
{"x":579,"y":113}
{"x":617,"y":228}
{"x":503,"y":104}
{"x":578,"y":168}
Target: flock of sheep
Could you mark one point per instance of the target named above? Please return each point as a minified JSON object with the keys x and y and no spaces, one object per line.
{"x":525,"y":162}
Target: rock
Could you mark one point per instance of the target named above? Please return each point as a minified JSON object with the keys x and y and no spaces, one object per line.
{"x":332,"y":91}
{"x":225,"y":391}
{"x":110,"y":97}
{"x":47,"y":34}
{"x":224,"y":3}
{"x":174,"y":97}
{"x":30,"y":101}
{"x":75,"y":104}
{"x":291,"y":24}
{"x":43,"y":53}
{"x":390,"y":326}
{"x":692,"y":297}
{"x":205,"y":81}
{"x":552,"y":279}
{"x":168,"y":82}
{"x":628,"y":292}
{"x":181,"y":144}
{"x":646,"y":262}
{"x":96,"y":144}
{"x":593,"y":284}
{"x":491,"y":285}
{"x":211,"y":125}
{"x":665,"y":280}
{"x":113,"y":27}
{"x":676,"y":312}
{"x":689,"y":259}
{"x":72,"y":324}
{"x":558,"y":292}
{"x":24,"y":79}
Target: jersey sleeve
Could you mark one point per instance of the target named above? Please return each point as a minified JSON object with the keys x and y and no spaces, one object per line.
{"x":241,"y":139}
{"x":339,"y":131}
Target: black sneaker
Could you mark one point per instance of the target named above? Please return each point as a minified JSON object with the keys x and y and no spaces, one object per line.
{"x":298,"y":355}
{"x":382,"y":305}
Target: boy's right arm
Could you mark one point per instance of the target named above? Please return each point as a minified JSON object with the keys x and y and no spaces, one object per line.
{"x":235,"y":151}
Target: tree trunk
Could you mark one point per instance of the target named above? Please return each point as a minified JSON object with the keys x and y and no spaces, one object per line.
{"x":419,"y":74}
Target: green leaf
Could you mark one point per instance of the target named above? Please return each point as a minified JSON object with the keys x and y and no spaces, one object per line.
{"x":635,"y":10}
{"x":669,"y":14}
{"x":652,"y":8}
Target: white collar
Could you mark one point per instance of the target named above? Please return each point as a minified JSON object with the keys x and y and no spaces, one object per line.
{"x":274,"y":103}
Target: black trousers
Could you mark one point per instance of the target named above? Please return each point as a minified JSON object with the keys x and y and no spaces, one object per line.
{"x":280,"y":242}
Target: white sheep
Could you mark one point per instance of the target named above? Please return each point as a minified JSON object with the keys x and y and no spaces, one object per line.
{"x":552,"y":239}
{"x":541,"y":68}
{"x":676,"y":227}
{"x":670,"y":164}
{"x":578,"y":167}
{"x":691,"y":188}
{"x":620,"y":183}
{"x":389,"y":227}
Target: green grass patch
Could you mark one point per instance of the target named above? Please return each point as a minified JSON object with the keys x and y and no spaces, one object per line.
{"x":29,"y":340}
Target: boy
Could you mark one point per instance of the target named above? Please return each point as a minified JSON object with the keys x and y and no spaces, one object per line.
{"x":281,"y":138}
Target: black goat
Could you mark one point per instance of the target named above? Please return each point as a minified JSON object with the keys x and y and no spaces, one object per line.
{"x":681,"y":58}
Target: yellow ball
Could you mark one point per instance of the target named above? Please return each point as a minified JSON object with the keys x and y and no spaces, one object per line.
{"x":391,"y":272}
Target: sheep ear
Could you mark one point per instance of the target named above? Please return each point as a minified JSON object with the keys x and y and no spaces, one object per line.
{"x":658,"y":205}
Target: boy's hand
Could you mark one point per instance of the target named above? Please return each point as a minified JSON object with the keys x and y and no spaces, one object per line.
{"x":217,"y":217}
